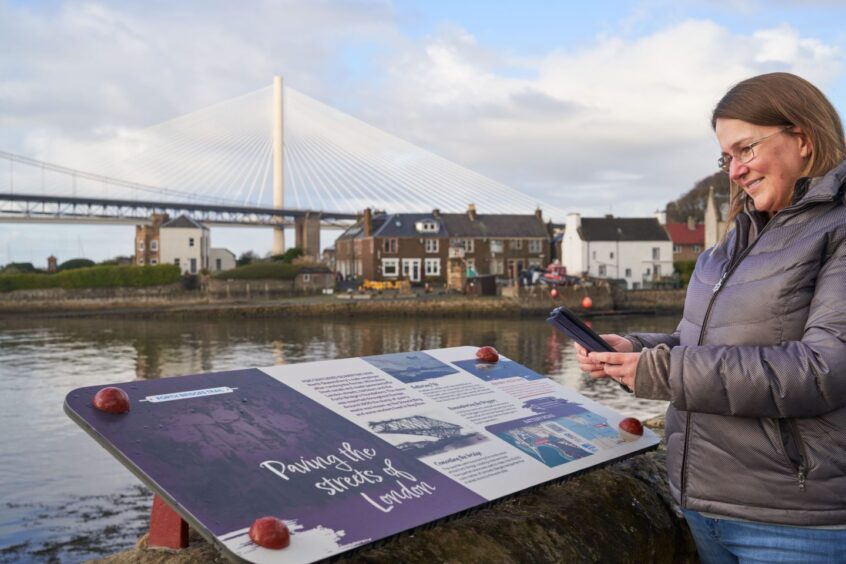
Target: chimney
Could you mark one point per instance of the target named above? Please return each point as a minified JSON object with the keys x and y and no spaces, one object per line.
{"x":539,"y":215}
{"x":436,"y":213}
{"x":471,"y":212}
{"x":661,"y":216}
{"x":574,"y":221}
{"x":51,"y":264}
{"x":691,"y":223}
{"x":367,"y":223}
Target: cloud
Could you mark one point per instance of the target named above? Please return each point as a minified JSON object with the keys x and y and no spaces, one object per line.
{"x":623,"y":119}
{"x":620,"y":121}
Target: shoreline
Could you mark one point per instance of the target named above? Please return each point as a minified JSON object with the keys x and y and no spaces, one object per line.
{"x":173,"y":301}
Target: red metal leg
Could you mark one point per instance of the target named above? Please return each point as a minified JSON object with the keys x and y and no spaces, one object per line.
{"x":167,"y":529}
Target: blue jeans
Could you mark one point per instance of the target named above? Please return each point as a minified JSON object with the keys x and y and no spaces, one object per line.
{"x":721,"y":541}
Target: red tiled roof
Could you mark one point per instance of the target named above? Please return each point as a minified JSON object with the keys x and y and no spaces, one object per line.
{"x":682,"y":235}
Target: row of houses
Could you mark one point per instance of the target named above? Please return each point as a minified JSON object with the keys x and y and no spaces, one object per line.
{"x":417,"y":247}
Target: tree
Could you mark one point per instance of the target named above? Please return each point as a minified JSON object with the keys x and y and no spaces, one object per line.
{"x":247,"y":257}
{"x":289,"y":255}
{"x":694,"y":202}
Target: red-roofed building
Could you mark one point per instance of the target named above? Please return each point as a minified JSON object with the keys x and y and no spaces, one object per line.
{"x":688,"y":239}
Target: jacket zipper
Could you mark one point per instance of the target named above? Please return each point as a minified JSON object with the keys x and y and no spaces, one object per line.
{"x":717,"y":287}
{"x":802,"y":470}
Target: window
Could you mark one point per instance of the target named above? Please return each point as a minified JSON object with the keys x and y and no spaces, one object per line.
{"x":535,"y":245}
{"x":432,"y":245}
{"x":677,"y":249}
{"x":154,"y":245}
{"x":602,"y":270}
{"x":535,"y":262}
{"x":517,"y":244}
{"x":191,"y":242}
{"x":427,"y":226}
{"x":648,"y":272}
{"x":656,"y":253}
{"x":306,"y":277}
{"x":390,"y":267}
{"x":193,"y":265}
{"x":390,"y":246}
{"x":140,"y":260}
{"x":497,"y":266}
{"x":467,"y":244}
{"x":496,"y":246}
{"x":218,"y":264}
{"x":593,"y":254}
{"x":176,"y":261}
{"x":628,"y":273}
{"x":154,"y":262}
{"x":696,"y":248}
{"x":432,"y":267}
{"x":611,"y":254}
{"x":141,"y":245}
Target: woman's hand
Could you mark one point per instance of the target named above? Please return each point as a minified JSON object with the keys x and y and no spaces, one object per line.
{"x":620,"y":365}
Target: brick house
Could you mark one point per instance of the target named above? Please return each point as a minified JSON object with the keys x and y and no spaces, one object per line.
{"x":148,"y":240}
{"x":688,"y":239}
{"x":416,"y":246}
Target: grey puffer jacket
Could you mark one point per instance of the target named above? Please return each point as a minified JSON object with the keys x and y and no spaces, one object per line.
{"x":756,"y":372}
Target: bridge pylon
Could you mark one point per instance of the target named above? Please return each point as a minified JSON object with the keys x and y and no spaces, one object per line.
{"x":279,"y":163}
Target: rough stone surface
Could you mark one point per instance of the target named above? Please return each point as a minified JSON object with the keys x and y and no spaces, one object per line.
{"x":620,"y":513}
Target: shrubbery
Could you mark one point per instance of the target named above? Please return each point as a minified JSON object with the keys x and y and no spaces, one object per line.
{"x":94,"y":277}
{"x":261,"y":271}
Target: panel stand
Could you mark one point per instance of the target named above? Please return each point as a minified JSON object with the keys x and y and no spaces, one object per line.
{"x":167,"y":528}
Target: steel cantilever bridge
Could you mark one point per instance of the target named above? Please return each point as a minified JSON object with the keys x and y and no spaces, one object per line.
{"x":222,"y":165}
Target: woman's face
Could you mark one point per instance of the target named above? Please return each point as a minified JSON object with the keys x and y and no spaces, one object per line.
{"x":779,"y":161}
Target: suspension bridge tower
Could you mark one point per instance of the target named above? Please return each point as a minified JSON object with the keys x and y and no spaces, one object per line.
{"x":278,"y":163}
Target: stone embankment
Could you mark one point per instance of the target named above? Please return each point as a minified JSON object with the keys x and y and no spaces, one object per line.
{"x":620,"y":513}
{"x":174,"y":301}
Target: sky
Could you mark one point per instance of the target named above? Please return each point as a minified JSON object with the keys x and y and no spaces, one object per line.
{"x":598,"y":107}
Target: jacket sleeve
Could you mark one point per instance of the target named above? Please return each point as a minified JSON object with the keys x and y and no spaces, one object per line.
{"x":642,"y":341}
{"x":804,"y":378}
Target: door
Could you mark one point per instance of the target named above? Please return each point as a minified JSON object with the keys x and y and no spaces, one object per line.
{"x":411,"y":269}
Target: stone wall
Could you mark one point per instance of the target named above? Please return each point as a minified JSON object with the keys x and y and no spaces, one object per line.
{"x":649,"y":300}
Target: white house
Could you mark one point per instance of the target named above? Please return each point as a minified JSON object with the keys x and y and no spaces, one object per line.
{"x":185,"y":243}
{"x":221,"y":259}
{"x":635,"y":249}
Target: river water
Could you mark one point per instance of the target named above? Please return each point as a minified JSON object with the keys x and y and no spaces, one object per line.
{"x":64,"y":499}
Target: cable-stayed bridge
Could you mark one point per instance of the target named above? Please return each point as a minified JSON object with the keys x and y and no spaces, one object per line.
{"x":224,"y":164}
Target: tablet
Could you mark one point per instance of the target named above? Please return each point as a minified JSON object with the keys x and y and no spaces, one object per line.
{"x":566,"y":321}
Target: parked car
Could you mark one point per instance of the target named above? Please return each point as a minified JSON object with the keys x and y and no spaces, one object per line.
{"x":556,"y":275}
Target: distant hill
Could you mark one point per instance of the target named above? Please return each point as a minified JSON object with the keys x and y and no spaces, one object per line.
{"x":694,"y":201}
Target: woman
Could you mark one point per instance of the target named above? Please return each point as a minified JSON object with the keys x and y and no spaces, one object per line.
{"x":756,"y":371}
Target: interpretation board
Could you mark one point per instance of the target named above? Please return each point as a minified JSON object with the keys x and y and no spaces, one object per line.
{"x":350,"y":451}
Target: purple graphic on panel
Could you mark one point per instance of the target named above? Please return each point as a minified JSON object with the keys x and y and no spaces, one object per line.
{"x":230,"y":447}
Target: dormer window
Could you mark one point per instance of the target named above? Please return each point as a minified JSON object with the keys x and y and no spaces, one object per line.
{"x":426,"y":226}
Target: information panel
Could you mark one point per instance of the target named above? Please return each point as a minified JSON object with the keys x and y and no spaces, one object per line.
{"x":350,"y":451}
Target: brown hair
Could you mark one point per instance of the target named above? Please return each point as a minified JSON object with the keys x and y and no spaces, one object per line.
{"x":783,"y":99}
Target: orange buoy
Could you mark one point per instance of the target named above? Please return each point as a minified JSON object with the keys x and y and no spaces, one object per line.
{"x":587,"y":303}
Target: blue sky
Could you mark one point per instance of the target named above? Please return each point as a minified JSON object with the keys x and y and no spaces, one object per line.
{"x":594,"y":107}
